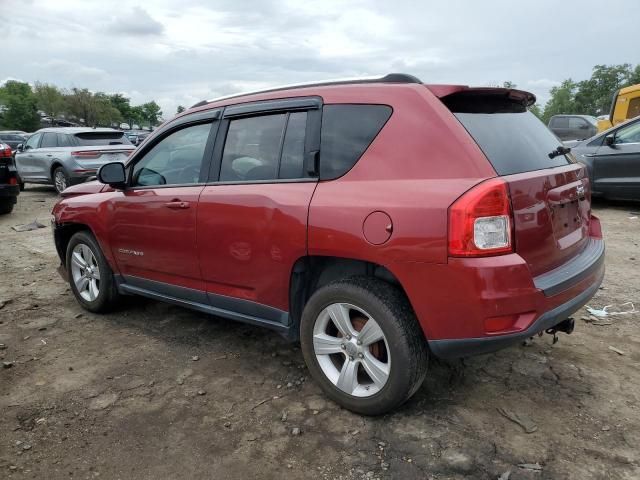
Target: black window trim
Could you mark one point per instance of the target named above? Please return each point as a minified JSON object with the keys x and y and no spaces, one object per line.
{"x":311,"y":105}
{"x":198,"y":118}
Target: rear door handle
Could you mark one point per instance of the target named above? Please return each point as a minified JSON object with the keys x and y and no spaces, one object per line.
{"x":177,"y":204}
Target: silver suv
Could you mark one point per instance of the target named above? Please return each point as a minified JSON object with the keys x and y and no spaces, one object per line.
{"x":66,"y":156}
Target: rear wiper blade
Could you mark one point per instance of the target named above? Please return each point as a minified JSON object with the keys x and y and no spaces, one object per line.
{"x":559,"y":151}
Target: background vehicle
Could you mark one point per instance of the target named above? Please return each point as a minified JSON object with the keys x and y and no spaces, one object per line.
{"x":9,"y":189}
{"x":613,"y":160}
{"x":69,"y":155}
{"x":136,"y":137}
{"x":12,"y":139}
{"x":328,"y":213}
{"x":625,"y":105}
{"x":573,"y":127}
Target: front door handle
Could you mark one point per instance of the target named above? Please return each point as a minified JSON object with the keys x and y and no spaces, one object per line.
{"x":177,"y":204}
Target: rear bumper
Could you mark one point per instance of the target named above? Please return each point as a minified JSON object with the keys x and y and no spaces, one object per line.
{"x":9,"y":191}
{"x":470,"y":306}
{"x":475,"y":346}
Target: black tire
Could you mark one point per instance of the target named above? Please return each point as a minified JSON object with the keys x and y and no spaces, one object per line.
{"x":108,"y":297}
{"x":406,"y":343}
{"x":60,"y":179}
{"x":6,"y":206}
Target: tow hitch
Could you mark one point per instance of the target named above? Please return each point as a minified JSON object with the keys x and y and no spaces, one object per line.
{"x":565,"y":326}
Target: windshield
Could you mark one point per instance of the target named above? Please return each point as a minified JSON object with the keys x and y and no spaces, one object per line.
{"x":91,"y":139}
{"x":513,"y":142}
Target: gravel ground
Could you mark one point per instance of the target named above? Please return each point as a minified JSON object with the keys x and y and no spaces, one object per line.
{"x":155,"y":391}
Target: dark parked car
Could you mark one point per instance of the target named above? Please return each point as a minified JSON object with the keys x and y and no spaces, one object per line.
{"x":9,"y":189}
{"x":12,"y":139}
{"x":613,"y":160}
{"x":573,"y":127}
{"x":377,"y":221}
{"x":68,"y":155}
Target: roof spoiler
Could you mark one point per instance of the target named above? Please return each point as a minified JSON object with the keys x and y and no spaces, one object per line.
{"x":526,"y":99}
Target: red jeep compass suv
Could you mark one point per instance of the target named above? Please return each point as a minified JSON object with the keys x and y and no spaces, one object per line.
{"x":374,"y":220}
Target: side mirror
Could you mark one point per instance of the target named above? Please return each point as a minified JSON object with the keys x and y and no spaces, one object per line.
{"x":610,"y":140}
{"x":113,"y":174}
{"x":20,"y":147}
{"x":584,"y":126}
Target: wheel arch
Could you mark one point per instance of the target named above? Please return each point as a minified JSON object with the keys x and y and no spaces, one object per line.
{"x":311,"y":272}
{"x":55,"y":164}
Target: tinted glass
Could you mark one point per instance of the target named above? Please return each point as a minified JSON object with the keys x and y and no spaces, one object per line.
{"x":252,"y":148}
{"x":560,"y":122}
{"x":292,"y":162}
{"x":629,"y":134}
{"x":634,"y":108}
{"x":91,"y":139}
{"x":577,"y":122}
{"x":33,"y":141}
{"x":10,"y":137}
{"x":513,"y":142}
{"x":49,"y":140}
{"x":64,"y":140}
{"x":347,"y":131}
{"x":175,"y":160}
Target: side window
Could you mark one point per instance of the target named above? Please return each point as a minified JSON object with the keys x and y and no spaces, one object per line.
{"x":347,"y":131}
{"x":634,"y":108}
{"x":252,"y":148}
{"x":629,"y":134}
{"x":175,"y":160}
{"x":63,"y":140}
{"x":32,"y":142}
{"x":49,"y":140}
{"x":292,"y":162}
{"x":560,"y":122}
{"x":577,"y":123}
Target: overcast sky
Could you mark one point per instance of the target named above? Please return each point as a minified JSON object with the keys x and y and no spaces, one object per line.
{"x":179,"y":52}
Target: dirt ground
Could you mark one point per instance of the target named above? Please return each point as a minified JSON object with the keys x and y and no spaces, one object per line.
{"x":155,"y":391}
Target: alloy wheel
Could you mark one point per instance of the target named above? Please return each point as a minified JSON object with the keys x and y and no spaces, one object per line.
{"x":351,"y":349}
{"x":60,"y":181}
{"x":85,"y":272}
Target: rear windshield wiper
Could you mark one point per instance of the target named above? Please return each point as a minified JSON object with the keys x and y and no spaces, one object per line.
{"x":559,"y":151}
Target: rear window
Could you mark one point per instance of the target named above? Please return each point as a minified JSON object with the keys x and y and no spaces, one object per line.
{"x":513,"y":139}
{"x":91,"y":139}
{"x":347,"y":131}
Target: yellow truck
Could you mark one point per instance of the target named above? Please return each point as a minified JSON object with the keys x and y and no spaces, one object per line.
{"x":625,"y":105}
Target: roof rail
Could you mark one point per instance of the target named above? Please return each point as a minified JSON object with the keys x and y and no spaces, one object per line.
{"x":389,"y":78}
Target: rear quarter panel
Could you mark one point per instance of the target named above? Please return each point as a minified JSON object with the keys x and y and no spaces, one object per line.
{"x":421,"y":161}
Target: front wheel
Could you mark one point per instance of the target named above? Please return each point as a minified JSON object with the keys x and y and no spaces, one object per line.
{"x":90,"y":276}
{"x":363,"y":345}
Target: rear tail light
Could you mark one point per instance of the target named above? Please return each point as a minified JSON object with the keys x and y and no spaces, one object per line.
{"x":5,"y":151}
{"x":87,"y":154}
{"x":480,"y":221}
{"x":13,"y":181}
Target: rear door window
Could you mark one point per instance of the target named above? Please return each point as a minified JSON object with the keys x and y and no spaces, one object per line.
{"x":347,"y":131}
{"x":64,"y":140}
{"x":513,"y":142}
{"x":560,"y":122}
{"x":93,"y":139}
{"x":49,"y":140}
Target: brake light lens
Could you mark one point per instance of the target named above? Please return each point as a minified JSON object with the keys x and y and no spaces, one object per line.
{"x":480,"y":221}
{"x":87,"y":154}
{"x":5,"y":151}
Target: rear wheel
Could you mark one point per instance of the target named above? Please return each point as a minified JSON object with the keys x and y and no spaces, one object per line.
{"x":363,"y":345}
{"x":6,"y":206}
{"x":60,"y":179}
{"x":90,"y":276}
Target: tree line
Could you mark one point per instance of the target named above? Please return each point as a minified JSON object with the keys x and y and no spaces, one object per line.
{"x":589,"y":97}
{"x":21,"y":104}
